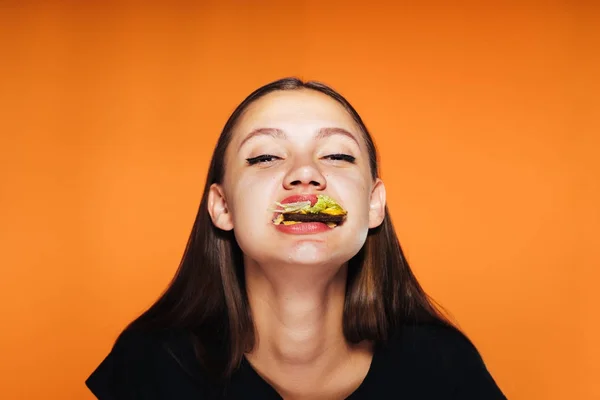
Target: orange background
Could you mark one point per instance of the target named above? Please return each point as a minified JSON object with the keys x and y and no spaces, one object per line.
{"x":485,"y":117}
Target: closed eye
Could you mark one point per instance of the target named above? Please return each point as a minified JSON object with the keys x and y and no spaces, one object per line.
{"x":262,"y":159}
{"x":341,"y":157}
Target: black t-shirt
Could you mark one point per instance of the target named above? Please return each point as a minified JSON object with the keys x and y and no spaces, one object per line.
{"x":421,"y":362}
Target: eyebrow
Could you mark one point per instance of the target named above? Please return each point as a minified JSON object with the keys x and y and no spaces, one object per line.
{"x":274,"y":132}
{"x":326,"y":132}
{"x":280,"y":134}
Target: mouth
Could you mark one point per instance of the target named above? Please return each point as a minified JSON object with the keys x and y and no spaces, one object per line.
{"x":308,"y":209}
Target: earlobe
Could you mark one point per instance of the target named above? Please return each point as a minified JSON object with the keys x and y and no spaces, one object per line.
{"x":377,"y":204}
{"x":217,"y":208}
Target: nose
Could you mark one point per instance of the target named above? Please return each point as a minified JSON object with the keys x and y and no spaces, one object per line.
{"x":305,"y":175}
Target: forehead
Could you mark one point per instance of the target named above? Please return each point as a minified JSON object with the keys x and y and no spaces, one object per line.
{"x":292,"y":109}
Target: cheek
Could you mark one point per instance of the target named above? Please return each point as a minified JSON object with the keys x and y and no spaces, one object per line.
{"x":354,"y":190}
{"x":251,"y":197}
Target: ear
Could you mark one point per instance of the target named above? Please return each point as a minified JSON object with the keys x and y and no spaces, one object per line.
{"x":377,"y":204}
{"x":217,"y":208}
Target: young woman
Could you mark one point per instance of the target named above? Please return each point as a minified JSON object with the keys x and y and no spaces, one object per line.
{"x":293,"y":284}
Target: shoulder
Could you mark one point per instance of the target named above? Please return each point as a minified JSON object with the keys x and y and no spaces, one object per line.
{"x":146,"y":365}
{"x":444,"y":355}
{"x":432,"y":347}
{"x":437,"y":341}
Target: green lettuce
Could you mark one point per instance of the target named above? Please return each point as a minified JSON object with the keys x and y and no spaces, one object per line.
{"x":322,"y":203}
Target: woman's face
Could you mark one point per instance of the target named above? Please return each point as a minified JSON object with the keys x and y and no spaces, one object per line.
{"x":288,"y":143}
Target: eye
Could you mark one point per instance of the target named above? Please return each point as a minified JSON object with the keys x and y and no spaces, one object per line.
{"x":262,"y":159}
{"x":341,"y":157}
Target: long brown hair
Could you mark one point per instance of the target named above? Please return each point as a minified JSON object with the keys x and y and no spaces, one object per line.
{"x":207,"y":297}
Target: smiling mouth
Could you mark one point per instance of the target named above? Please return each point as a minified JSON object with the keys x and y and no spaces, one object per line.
{"x":301,"y":209}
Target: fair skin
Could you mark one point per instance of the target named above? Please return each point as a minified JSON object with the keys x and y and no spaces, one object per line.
{"x":296,"y":280}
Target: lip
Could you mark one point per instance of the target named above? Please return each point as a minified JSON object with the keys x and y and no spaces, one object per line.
{"x":300,"y":197}
{"x":305,"y":228}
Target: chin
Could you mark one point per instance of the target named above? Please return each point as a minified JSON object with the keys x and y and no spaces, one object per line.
{"x":312,"y":252}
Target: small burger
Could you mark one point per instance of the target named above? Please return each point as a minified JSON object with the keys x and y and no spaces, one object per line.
{"x":324,"y":210}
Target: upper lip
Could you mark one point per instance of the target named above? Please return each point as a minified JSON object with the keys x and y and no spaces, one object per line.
{"x":300,"y":197}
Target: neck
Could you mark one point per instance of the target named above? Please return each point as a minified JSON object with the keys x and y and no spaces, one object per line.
{"x":298,"y":321}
